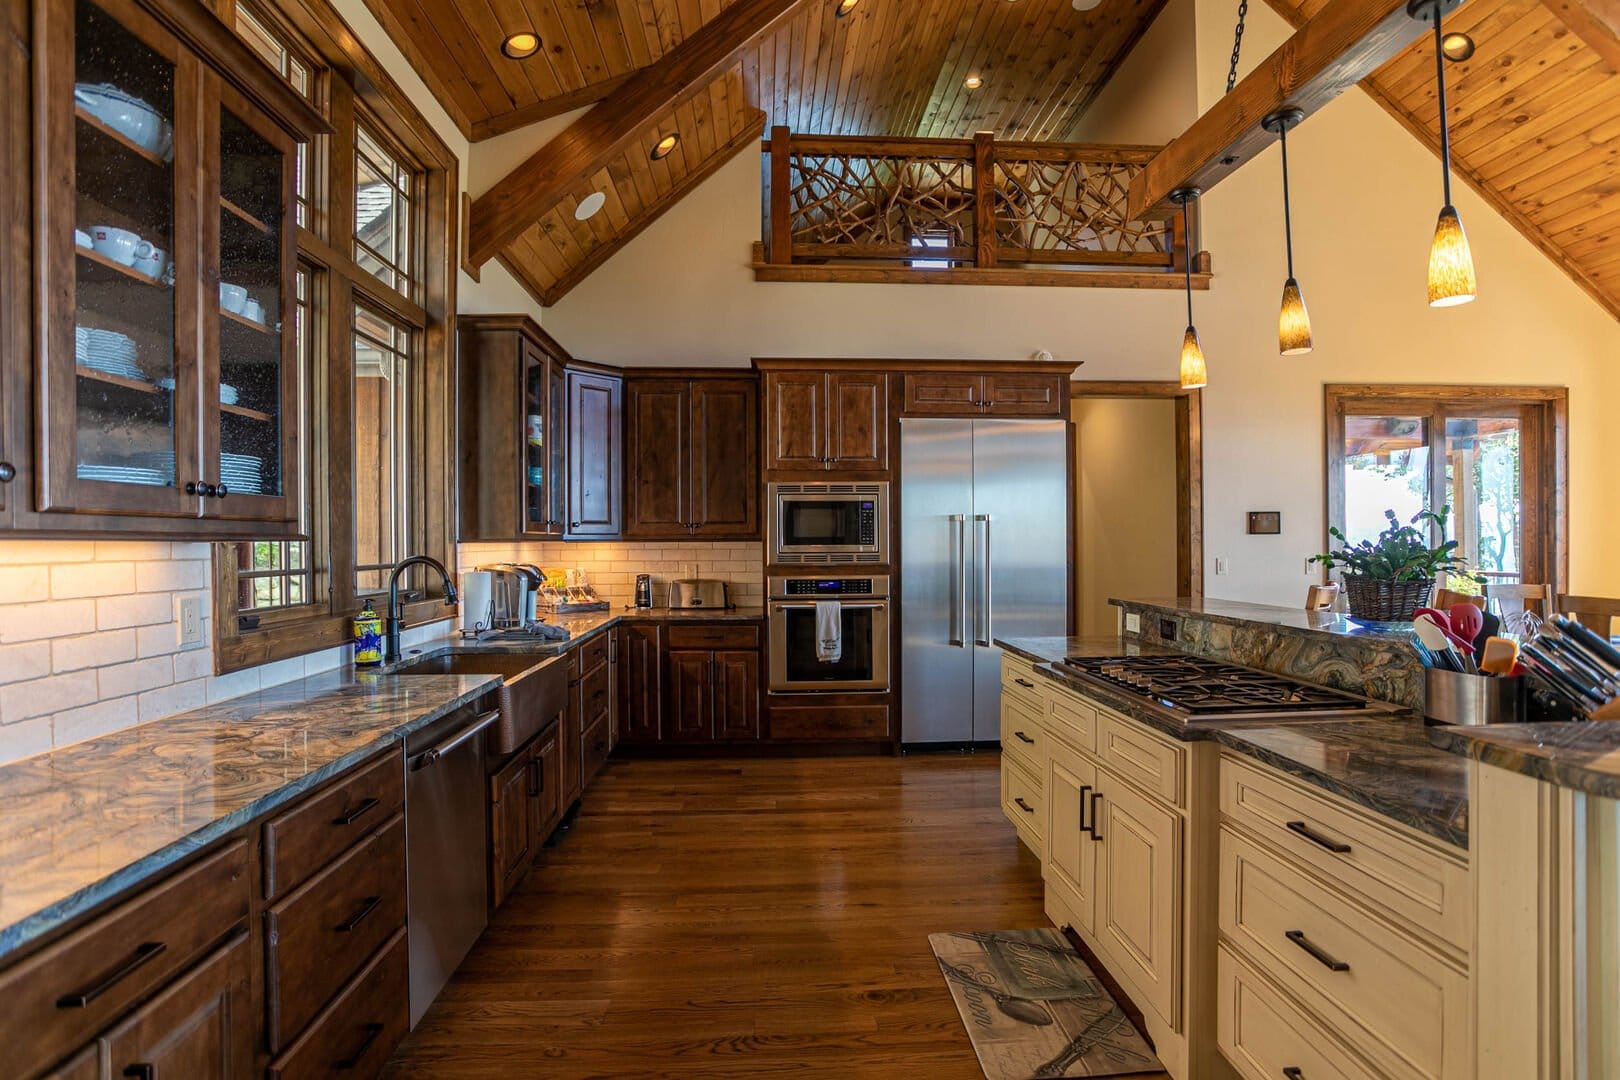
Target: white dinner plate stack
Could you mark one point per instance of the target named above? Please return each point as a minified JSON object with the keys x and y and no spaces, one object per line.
{"x":242,"y":473}
{"x":107,"y":352}
{"x":228,"y":394}
{"x":125,"y":474}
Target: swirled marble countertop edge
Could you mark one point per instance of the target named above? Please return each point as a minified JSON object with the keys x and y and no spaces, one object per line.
{"x":1242,"y":612}
{"x":1582,"y":756}
{"x":583,"y":626}
{"x":85,"y":823}
{"x":1384,"y":763}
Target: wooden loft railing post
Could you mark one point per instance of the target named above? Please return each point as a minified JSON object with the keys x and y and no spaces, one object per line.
{"x":779,"y":243}
{"x":984,"y":199}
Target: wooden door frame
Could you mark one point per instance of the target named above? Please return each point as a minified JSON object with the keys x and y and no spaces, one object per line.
{"x":1548,"y":560}
{"x":1189,"y":467}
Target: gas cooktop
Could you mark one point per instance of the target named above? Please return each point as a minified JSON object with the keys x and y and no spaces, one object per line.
{"x":1197,"y":688}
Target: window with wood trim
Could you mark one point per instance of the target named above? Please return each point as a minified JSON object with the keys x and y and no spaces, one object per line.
{"x":376,"y":296}
{"x":1496,"y":456}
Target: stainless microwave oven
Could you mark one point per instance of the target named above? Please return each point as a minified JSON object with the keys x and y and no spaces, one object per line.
{"x":828,"y":523}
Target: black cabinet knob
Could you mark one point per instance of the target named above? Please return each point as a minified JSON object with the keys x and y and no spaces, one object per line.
{"x":221,"y":491}
{"x":574,"y":525}
{"x":8,"y":472}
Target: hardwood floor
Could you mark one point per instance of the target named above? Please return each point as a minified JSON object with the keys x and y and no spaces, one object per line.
{"x":741,"y":918}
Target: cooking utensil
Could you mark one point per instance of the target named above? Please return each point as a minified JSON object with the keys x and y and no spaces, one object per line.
{"x":1591,"y":641}
{"x":1499,"y":656}
{"x":1577,"y":665}
{"x":1443,"y":621}
{"x":1539,"y":662}
{"x":1434,"y":638}
{"x":1466,"y":620}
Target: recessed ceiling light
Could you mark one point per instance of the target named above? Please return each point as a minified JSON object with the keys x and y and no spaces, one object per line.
{"x":972,"y":82}
{"x":1457,"y":46}
{"x":1084,"y":5}
{"x":665,"y":145}
{"x":845,"y":7}
{"x":521,"y":44}
{"x":589,"y":205}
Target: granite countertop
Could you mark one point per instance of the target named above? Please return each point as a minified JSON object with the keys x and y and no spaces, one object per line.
{"x":81,"y":824}
{"x":1240,"y":611}
{"x":1582,"y":756}
{"x":1384,"y":762}
{"x":585,"y":625}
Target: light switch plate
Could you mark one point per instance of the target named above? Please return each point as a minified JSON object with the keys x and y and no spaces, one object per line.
{"x":1221,"y":565}
{"x":1133,"y":623}
{"x":190,"y":620}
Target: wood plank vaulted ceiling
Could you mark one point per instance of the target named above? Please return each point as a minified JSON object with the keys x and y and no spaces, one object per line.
{"x":1535,"y":128}
{"x":890,"y":67}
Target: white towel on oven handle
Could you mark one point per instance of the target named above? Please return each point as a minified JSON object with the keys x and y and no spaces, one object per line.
{"x":829,"y":631}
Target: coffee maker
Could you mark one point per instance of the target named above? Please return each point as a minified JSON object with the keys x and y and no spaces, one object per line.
{"x":644,"y":601}
{"x":514,"y":594}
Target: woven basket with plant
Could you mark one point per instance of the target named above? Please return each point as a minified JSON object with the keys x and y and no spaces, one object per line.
{"x":1390,"y":579}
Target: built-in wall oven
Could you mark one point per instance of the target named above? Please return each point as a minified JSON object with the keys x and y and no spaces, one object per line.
{"x":827,"y":524}
{"x":798,"y":665}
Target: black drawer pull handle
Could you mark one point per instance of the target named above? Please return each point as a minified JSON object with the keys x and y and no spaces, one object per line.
{"x":1024,"y":806}
{"x":1298,"y":938}
{"x":1085,"y":789}
{"x":1096,"y":802}
{"x":141,"y":1072}
{"x":1294,"y":1072}
{"x":372,"y":1031}
{"x":1025,"y":683}
{"x":8,"y":472}
{"x":364,"y":807}
{"x":366,"y":908}
{"x":1338,"y":847}
{"x":537,"y":783}
{"x":143,"y":953}
{"x":1024,"y":738}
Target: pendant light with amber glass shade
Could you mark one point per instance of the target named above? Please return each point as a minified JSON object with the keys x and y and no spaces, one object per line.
{"x":1293,"y":322}
{"x":1451,"y":264}
{"x":1193,"y":372}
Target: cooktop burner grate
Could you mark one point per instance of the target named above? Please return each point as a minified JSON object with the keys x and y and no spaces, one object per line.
{"x":1201,"y":687}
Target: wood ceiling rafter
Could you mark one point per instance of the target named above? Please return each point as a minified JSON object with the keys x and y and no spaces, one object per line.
{"x":1535,"y":120}
{"x":527,"y":193}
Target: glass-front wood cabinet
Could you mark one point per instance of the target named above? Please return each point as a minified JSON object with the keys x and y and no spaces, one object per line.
{"x":166,"y":249}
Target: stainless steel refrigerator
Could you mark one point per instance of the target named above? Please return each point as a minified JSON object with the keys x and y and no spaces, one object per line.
{"x":984,"y":536}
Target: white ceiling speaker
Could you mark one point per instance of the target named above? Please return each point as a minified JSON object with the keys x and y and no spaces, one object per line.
{"x":589,"y":205}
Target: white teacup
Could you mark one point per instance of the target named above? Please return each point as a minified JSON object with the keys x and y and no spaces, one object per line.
{"x":252,"y":310}
{"x":150,"y":259}
{"x":232,"y":297}
{"x":117,"y":244}
{"x":82,"y":239}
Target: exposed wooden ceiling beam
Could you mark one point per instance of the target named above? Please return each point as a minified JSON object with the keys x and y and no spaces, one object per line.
{"x":1596,"y":22}
{"x":545,"y":109}
{"x":1341,"y":45}
{"x":501,"y":214}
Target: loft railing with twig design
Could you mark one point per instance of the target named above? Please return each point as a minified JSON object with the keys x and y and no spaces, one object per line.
{"x":959,"y":203}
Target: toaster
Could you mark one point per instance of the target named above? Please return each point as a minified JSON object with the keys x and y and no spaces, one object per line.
{"x":698,"y":593}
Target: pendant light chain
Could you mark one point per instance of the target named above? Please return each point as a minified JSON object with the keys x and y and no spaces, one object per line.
{"x":1237,"y":45}
{"x":1440,"y":84}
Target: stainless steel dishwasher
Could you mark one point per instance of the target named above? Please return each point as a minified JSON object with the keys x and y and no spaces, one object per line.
{"x":446,"y":845}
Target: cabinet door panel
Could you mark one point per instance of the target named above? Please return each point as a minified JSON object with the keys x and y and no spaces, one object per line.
{"x":511,"y":826}
{"x":724,"y":429}
{"x":569,"y":734}
{"x":16,"y":294}
{"x":200,"y":1026}
{"x":943,"y":393}
{"x":1138,"y":890}
{"x":1024,"y":394}
{"x":640,"y":694}
{"x":858,"y":420}
{"x":736,"y":695}
{"x":1071,"y":853}
{"x":691,"y":696}
{"x":795,"y":420}
{"x":535,"y":386}
{"x":546,"y":794}
{"x":595,"y":454}
{"x":656,"y":455}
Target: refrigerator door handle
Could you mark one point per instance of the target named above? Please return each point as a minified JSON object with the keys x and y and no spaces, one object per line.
{"x":983,"y":615}
{"x":958,"y":636}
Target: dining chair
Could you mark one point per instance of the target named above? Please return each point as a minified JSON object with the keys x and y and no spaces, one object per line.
{"x":1513,"y":599}
{"x":1596,"y":613}
{"x":1446,"y":599}
{"x":1321,"y":597}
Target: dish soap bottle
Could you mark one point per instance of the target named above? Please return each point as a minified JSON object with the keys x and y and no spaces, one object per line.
{"x":367,"y":638}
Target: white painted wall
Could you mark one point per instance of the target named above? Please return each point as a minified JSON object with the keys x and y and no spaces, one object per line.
{"x":1365,"y":195}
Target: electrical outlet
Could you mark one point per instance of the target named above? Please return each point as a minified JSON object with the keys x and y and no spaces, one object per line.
{"x":1133,"y":623}
{"x":1221,"y":565}
{"x":190,"y":620}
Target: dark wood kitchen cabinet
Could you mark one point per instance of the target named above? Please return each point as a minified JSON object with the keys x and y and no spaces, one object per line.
{"x":511,"y":429}
{"x":595,"y":455}
{"x":525,"y":804}
{"x":639,"y":657}
{"x":199,"y":1026}
{"x":165,"y":370}
{"x":690,"y":683}
{"x":691,"y":449}
{"x":961,"y":393}
{"x":817,"y":421}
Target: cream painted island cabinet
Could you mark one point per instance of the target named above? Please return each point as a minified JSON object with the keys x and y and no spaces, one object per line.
{"x":1263,"y":926}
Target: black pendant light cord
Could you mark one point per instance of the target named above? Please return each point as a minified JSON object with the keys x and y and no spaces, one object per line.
{"x":1186,"y":232}
{"x":1288,"y":215}
{"x":1440,"y":83}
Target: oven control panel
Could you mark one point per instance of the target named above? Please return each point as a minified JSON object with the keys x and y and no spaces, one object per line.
{"x":829,"y":586}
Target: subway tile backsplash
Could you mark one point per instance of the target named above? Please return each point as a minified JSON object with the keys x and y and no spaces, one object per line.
{"x":612,"y":565}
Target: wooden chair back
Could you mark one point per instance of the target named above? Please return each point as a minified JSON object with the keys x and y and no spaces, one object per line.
{"x":1513,"y":599}
{"x":1446,"y":599}
{"x":1321,"y":597}
{"x":1596,"y":613}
